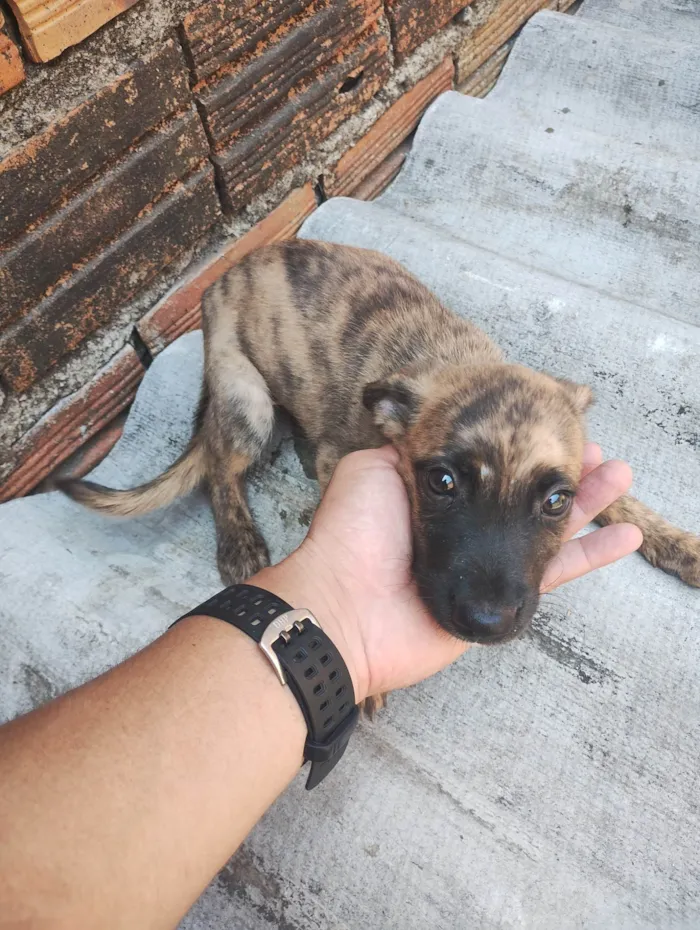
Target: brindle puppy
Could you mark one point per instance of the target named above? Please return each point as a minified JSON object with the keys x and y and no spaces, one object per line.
{"x":359,"y":351}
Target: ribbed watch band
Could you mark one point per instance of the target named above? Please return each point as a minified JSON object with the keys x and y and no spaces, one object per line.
{"x":304,"y":658}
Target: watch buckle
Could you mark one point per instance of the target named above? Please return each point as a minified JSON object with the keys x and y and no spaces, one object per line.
{"x":281,"y":628}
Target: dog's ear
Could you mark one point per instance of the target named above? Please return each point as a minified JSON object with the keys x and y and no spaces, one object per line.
{"x":580,"y":395}
{"x":393,"y":403}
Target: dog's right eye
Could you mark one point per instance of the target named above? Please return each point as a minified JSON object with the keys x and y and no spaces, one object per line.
{"x":440,"y":481}
{"x":557,"y":504}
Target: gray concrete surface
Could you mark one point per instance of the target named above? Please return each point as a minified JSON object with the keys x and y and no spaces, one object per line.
{"x":551,"y":784}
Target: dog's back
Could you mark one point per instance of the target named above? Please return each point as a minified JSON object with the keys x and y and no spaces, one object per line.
{"x":321,"y":321}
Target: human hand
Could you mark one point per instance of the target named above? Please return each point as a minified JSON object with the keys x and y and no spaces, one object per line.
{"x":354,"y":568}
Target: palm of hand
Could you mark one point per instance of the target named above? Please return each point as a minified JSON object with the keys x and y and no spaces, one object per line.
{"x":361,"y":536}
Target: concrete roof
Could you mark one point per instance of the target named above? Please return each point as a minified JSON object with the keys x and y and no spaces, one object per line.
{"x":553,"y":783}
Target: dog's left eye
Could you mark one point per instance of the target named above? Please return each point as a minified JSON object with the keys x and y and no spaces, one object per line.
{"x":557,"y":504}
{"x":440,"y":481}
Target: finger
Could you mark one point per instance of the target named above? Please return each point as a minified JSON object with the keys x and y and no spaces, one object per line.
{"x":598,"y":490}
{"x":592,"y":458}
{"x":386,"y":456}
{"x":586,"y":553}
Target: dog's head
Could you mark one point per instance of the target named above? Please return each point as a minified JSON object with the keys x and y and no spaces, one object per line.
{"x":491,"y":457}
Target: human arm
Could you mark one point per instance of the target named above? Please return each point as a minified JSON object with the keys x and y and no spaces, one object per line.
{"x":120,"y":800}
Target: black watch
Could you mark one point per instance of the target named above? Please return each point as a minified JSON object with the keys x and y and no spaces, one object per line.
{"x":303,"y":658}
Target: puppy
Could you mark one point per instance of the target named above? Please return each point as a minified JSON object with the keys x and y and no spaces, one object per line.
{"x":359,"y":352}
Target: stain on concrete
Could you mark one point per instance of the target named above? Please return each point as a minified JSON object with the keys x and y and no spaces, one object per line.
{"x":38,"y":686}
{"x":247,"y":880}
{"x":547,"y":634}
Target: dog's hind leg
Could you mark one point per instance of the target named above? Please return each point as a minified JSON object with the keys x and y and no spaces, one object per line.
{"x":666,"y":546}
{"x":327,"y":457}
{"x":237,"y":426}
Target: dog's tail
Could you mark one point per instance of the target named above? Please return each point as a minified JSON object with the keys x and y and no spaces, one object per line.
{"x":666,"y":546}
{"x":182,"y":476}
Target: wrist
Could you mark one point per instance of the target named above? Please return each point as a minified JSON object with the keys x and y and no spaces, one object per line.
{"x":304,"y":581}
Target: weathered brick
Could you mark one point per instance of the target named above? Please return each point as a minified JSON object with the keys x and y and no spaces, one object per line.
{"x":11,"y":64}
{"x":481,"y":81}
{"x":77,"y":418}
{"x":387,"y":133}
{"x":34,"y":344}
{"x":287,"y":62}
{"x":92,"y":410}
{"x":505,"y":18}
{"x":50,"y":28}
{"x":54,"y":164}
{"x":383,"y":174}
{"x":179,"y":312}
{"x":233,"y":33}
{"x":414,"y":21}
{"x":88,"y":456}
{"x":275,"y":78}
{"x":288,"y":136}
{"x":90,"y":221}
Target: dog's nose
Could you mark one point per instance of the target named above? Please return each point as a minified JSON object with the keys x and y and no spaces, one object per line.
{"x":483,"y":623}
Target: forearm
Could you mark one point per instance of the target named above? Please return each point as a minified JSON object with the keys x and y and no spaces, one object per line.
{"x":120,"y":801}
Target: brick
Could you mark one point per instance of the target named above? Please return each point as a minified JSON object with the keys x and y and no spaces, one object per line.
{"x":88,"y":455}
{"x":55,"y":163}
{"x":11,"y":64}
{"x":292,"y":58}
{"x":484,"y":78}
{"x":278,"y":38}
{"x":414,"y":21}
{"x":284,"y":140}
{"x":507,"y":17}
{"x":50,"y":28}
{"x":388,"y":132}
{"x":384,"y":173}
{"x":179,"y":312}
{"x":277,"y":77}
{"x":34,"y":344}
{"x":72,"y":422}
{"x":89,"y":222}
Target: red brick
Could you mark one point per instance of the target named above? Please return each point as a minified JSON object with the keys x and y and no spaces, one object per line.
{"x":287,"y":137}
{"x":481,"y":81}
{"x":277,"y":77}
{"x":11,"y":64}
{"x":88,"y":223}
{"x":282,"y":39}
{"x":89,"y":455}
{"x":57,"y":162}
{"x":92,"y":410}
{"x":382,"y":176}
{"x":179,"y":312}
{"x":65,"y":428}
{"x":507,"y":17}
{"x":414,"y":21}
{"x":34,"y":344}
{"x":388,"y":132}
{"x":50,"y":28}
{"x":290,"y":59}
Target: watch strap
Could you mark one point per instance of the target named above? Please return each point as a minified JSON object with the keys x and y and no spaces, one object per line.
{"x":304,"y":658}
{"x":244,"y":606}
{"x":320,"y":681}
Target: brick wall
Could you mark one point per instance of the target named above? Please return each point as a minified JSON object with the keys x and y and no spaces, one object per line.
{"x":140,"y":159}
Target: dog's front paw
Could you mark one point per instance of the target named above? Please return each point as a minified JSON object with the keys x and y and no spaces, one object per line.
{"x":371,"y":705}
{"x":240,"y":558}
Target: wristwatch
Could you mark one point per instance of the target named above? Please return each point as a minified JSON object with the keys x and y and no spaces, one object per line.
{"x":304,"y":658}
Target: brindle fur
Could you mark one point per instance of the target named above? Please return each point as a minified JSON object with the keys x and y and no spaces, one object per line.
{"x":358,"y":351}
